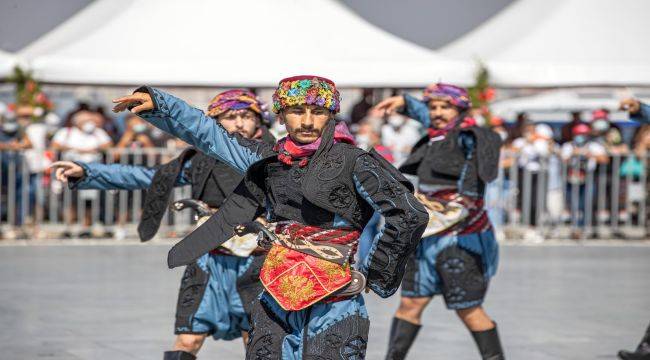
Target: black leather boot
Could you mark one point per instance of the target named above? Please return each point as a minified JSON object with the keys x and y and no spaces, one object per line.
{"x":642,"y":351}
{"x":178,"y":355}
{"x":402,"y":335}
{"x":489,"y":344}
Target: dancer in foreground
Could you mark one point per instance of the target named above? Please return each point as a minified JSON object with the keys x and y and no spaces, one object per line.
{"x":641,"y":113}
{"x":218,"y":290}
{"x":320,"y":191}
{"x":453,"y":163}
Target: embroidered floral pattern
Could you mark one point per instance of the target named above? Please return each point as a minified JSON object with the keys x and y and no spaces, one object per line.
{"x":295,"y":289}
{"x":274,"y":259}
{"x":299,"y":91}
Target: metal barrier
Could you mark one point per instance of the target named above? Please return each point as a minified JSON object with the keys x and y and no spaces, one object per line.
{"x":35,"y":205}
{"x":553,"y":199}
{"x":575,"y":198}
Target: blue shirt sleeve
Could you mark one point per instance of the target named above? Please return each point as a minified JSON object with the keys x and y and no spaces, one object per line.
{"x":191,"y":125}
{"x":643,"y":116}
{"x":121,"y":177}
{"x":416,"y":109}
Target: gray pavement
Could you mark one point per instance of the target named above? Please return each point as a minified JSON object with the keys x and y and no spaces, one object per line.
{"x":106,"y":302}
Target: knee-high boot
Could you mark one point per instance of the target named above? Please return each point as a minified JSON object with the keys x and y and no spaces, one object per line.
{"x":402,"y":335}
{"x":489,"y":344}
{"x":642,"y":351}
{"x":178,"y":355}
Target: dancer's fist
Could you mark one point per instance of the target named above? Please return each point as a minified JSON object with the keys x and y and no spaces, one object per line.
{"x":630,"y":105}
{"x":67,"y":169}
{"x":140,"y":101}
{"x":390,"y":105}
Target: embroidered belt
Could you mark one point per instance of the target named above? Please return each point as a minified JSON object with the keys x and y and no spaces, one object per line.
{"x":450,"y":212}
{"x":308,"y":264}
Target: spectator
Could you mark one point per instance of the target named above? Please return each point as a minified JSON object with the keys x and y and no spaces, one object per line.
{"x":582,"y":156}
{"x":368,"y":138}
{"x":498,"y":126}
{"x":567,"y":134}
{"x":399,"y":134}
{"x":534,"y":149}
{"x":360,"y":109}
{"x":83,"y":141}
{"x":136,"y":135}
{"x":517,"y":130}
{"x":12,"y":141}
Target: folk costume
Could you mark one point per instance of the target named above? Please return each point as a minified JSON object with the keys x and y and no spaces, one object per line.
{"x":453,"y":166}
{"x":319,"y":196}
{"x":218,"y":289}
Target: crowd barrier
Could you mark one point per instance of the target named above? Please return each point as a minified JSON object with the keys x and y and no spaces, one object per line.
{"x":545,"y":198}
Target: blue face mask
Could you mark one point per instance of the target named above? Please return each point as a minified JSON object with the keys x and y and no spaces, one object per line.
{"x":580,"y":139}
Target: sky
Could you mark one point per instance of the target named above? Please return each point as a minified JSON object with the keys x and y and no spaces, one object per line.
{"x":429,"y":23}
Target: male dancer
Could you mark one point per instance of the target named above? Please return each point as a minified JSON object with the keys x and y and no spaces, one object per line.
{"x":217,"y":291}
{"x":641,"y":113}
{"x":320,"y":190}
{"x":453,"y":163}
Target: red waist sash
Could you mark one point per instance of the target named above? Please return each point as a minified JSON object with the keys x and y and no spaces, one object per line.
{"x":297,"y":280}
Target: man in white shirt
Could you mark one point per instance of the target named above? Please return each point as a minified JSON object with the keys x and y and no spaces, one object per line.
{"x":83,"y":141}
{"x":399,"y":134}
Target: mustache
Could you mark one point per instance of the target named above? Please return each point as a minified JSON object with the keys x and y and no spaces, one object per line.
{"x":438,"y":118}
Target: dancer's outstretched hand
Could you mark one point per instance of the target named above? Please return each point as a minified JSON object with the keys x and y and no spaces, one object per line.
{"x":67,"y":169}
{"x":142,"y":100}
{"x":390,"y":105}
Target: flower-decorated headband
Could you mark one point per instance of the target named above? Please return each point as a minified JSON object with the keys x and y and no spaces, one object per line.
{"x":235,"y":100}
{"x":306,"y":89}
{"x":457,"y":96}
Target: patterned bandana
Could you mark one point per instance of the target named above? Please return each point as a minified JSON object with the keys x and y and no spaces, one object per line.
{"x":306,"y":89}
{"x":290,"y":150}
{"x":235,"y":100}
{"x":457,"y":96}
{"x":441,"y":133}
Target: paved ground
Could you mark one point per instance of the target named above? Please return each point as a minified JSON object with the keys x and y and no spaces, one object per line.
{"x":116,"y":302}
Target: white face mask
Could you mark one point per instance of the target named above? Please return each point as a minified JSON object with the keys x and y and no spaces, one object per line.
{"x":140,"y":128}
{"x":363,"y":141}
{"x":88,"y":127}
{"x":10,"y":127}
{"x":396,"y":121}
{"x":503,"y":135}
{"x":600,"y":125}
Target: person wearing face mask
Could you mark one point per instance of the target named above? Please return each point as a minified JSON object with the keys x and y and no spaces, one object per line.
{"x":582,"y":156}
{"x":136,"y":136}
{"x":82,"y":141}
{"x":399,"y":134}
{"x":13,"y":143}
{"x":453,"y":163}
{"x":216,"y":291}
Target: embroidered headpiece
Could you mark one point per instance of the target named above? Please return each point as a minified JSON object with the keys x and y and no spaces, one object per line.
{"x":457,"y":96}
{"x":235,"y":100}
{"x":306,"y":89}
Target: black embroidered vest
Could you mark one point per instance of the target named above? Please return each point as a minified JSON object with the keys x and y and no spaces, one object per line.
{"x":468,"y":161}
{"x":212,"y":180}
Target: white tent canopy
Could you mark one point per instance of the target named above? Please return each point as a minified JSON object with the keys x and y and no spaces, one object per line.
{"x":222,"y":43}
{"x":563,"y":43}
{"x":7,"y":63}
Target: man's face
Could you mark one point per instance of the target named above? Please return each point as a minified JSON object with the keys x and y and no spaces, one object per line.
{"x":442,"y":113}
{"x":243,"y":122}
{"x":305,"y":123}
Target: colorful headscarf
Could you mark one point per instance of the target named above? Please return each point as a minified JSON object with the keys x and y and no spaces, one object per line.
{"x":457,"y":96}
{"x":235,"y":100}
{"x":306,"y":89}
